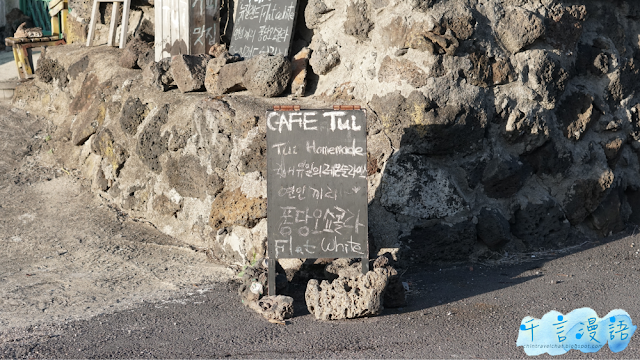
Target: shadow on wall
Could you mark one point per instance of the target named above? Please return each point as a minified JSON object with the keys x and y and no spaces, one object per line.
{"x":458,"y":183}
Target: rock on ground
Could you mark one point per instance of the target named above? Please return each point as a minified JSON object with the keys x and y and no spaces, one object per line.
{"x":347,"y":298}
{"x":277,"y":308}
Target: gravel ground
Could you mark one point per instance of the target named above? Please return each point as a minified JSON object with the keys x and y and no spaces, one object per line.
{"x":64,"y":253}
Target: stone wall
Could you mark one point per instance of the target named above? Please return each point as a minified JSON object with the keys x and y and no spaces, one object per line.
{"x":492,"y":126}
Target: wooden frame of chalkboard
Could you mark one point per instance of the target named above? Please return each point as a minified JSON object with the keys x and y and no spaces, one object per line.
{"x":263,"y":27}
{"x":316,"y":185}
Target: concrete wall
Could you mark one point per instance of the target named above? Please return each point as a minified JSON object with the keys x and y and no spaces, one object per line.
{"x":5,"y":7}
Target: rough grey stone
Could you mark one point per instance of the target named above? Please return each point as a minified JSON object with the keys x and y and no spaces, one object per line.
{"x":48,"y":70}
{"x":625,"y":82}
{"x":190,"y":179}
{"x":158,"y":74}
{"x":547,"y":160}
{"x":189,"y":71}
{"x":528,"y":129}
{"x":402,"y":70}
{"x":150,"y":143}
{"x":358,"y":23}
{"x":416,"y":122}
{"x":347,"y":298}
{"x":412,"y":187}
{"x":592,"y":59}
{"x":493,"y":229}
{"x":576,"y":113}
{"x":313,"y":13}
{"x":422,"y":5}
{"x":78,"y":67}
{"x":229,"y":78}
{"x":548,"y":74}
{"x":276,"y":308}
{"x":343,"y":267}
{"x":519,"y":28}
{"x":254,"y":157}
{"x":104,"y":145}
{"x":433,"y":240}
{"x":267,"y":75}
{"x":133,"y":52}
{"x":608,"y":216}
{"x":165,"y":207}
{"x":541,"y":225}
{"x":132,"y":115}
{"x":88,"y":122}
{"x":394,"y":294}
{"x":585,"y":195}
{"x":564,"y":25}
{"x":323,"y":58}
{"x":502,"y":178}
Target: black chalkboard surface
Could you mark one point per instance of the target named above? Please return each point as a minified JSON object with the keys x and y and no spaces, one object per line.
{"x":317,"y":184}
{"x":263,"y":26}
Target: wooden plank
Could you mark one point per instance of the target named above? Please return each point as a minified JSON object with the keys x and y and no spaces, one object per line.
{"x":184,"y":10}
{"x":175,"y":27}
{"x":92,"y":23}
{"x":113,"y":24}
{"x":125,"y":23}
{"x":197,"y":27}
{"x":158,"y":29}
{"x":166,"y":28}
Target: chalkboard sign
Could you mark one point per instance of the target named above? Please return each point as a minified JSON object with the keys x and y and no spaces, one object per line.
{"x":263,"y":26}
{"x":317,"y":184}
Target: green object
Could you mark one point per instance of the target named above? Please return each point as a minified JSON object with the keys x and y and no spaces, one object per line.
{"x":38,"y":10}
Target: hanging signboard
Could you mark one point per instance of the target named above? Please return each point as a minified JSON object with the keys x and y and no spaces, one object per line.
{"x":317,"y":184}
{"x":263,"y":27}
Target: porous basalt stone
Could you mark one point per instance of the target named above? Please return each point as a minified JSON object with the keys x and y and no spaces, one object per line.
{"x":276,"y":308}
{"x":502,"y":178}
{"x":323,"y":58}
{"x":190,"y":178}
{"x":132,"y":114}
{"x":189,"y":71}
{"x":402,"y":70}
{"x":547,"y":160}
{"x":267,"y":75}
{"x":313,"y":13}
{"x":151,"y":144}
{"x":104,"y":145}
{"x":228,"y":78}
{"x":434,"y":241}
{"x":576,"y":113}
{"x":235,"y":208}
{"x":347,"y":298}
{"x":158,"y":74}
{"x":358,"y":23}
{"x":585,"y":195}
{"x":564,"y":25}
{"x":493,"y":228}
{"x":49,"y":70}
{"x":135,"y":54}
{"x":414,"y":188}
{"x":541,"y":224}
{"x":519,"y":28}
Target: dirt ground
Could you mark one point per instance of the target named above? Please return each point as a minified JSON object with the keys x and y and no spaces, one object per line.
{"x":64,"y":253}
